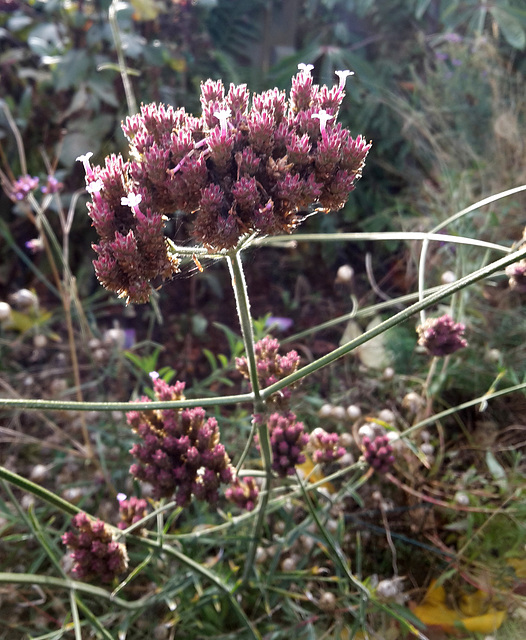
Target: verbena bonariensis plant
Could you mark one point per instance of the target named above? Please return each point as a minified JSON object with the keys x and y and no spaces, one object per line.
{"x":244,"y":168}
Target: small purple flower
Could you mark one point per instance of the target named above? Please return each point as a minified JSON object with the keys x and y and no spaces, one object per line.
{"x":279,"y":323}
{"x":52,"y":185}
{"x":96,"y":554}
{"x":378,"y":453}
{"x":441,"y":336}
{"x":34,"y":245}
{"x":441,"y":56}
{"x":23,"y":187}
{"x":517,"y":276}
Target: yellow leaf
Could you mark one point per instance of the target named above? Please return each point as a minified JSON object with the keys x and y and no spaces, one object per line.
{"x":474,"y":604}
{"x":518,"y":565}
{"x":145,"y":9}
{"x":486,"y":623}
{"x":315,"y":476}
{"x":24,"y":321}
{"x":434,"y":612}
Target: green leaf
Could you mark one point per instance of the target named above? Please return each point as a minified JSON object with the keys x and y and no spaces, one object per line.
{"x":421,"y":8}
{"x":512,"y":31}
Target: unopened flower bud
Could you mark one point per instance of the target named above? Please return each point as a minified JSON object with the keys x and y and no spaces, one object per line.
{"x":327,"y":601}
{"x":448,"y":277}
{"x":344,"y":275}
{"x":5,"y":312}
{"x":354,"y":411}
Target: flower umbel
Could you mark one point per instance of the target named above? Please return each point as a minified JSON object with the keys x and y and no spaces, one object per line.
{"x":441,"y":336}
{"x":96,"y":554}
{"x":22,"y":187}
{"x":180,"y":454}
{"x":235,"y":171}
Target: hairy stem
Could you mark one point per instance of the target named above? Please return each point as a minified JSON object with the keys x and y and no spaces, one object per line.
{"x":243,"y":309}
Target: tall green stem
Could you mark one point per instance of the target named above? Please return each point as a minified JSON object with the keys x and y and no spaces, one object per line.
{"x":243,"y":310}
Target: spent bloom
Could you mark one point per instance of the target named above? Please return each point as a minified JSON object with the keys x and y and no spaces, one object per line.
{"x":246,"y":166}
{"x":96,"y":554}
{"x":441,"y":336}
{"x":180,"y":454}
{"x":271,"y":367}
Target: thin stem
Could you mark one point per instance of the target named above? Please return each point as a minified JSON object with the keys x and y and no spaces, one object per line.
{"x":243,"y":309}
{"x":63,"y":405}
{"x":402,"y":316}
{"x":18,"y":137}
{"x":380,"y":236}
{"x":338,"y":554}
{"x":39,"y":491}
{"x":128,"y":89}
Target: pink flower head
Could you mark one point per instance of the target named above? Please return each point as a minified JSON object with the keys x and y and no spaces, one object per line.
{"x":179,"y":454}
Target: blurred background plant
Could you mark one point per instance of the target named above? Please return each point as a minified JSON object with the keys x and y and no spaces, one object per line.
{"x":439,"y":88}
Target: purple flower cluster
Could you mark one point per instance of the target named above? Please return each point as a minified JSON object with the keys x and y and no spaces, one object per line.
{"x":237,"y":170}
{"x":180,"y":452}
{"x":287,"y":440}
{"x":96,"y":554}
{"x":243,"y":492}
{"x":517,"y":276}
{"x":441,"y":336}
{"x":271,"y":367}
{"x":378,"y":453}
{"x":131,"y":511}
{"x":22,"y":187}
{"x":132,"y":250}
{"x":325,"y":447}
{"x":52,"y":185}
